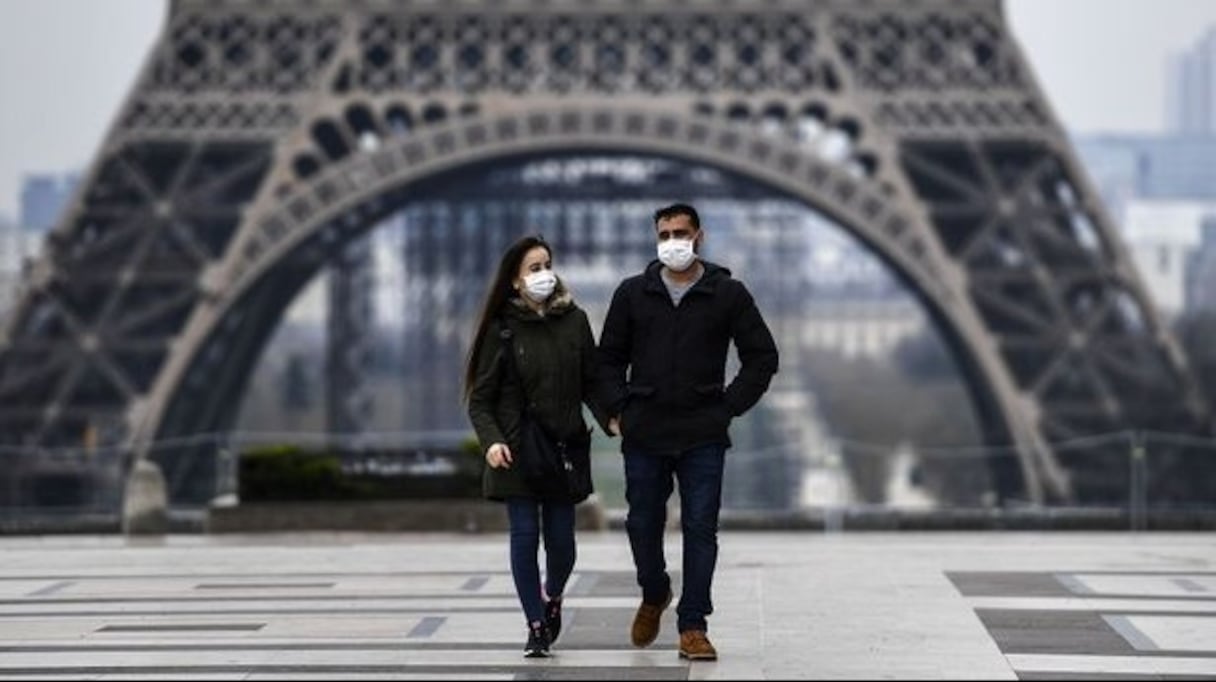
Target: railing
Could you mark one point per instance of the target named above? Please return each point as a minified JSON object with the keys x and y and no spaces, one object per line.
{"x":1128,"y":478}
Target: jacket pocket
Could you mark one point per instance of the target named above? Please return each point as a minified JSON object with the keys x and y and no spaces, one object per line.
{"x":633,"y":405}
{"x":708,"y":394}
{"x":712,"y":398}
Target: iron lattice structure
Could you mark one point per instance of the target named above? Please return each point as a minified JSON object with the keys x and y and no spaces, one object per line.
{"x":262,"y":135}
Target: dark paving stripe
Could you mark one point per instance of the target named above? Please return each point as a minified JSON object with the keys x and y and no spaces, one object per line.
{"x":620,"y":644}
{"x":1019,"y":631}
{"x":1086,"y":633}
{"x":504,"y":571}
{"x":1007,"y":584}
{"x":595,"y":591}
{"x":253,"y":612}
{"x":1189,"y":585}
{"x":615,"y":673}
{"x":475,"y":583}
{"x":1148,"y":572}
{"x":427,"y":627}
{"x":51,"y":589}
{"x":1145,"y":597}
{"x":274,"y":576}
{"x":622,"y":584}
{"x":1035,"y":584}
{"x":521,"y":672}
{"x":1108,"y":676}
{"x":185,"y":627}
{"x":1123,"y":612}
{"x":552,"y":670}
{"x":240,"y":598}
{"x":260,"y":586}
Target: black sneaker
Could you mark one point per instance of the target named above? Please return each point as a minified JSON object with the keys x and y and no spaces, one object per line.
{"x":553,"y":618}
{"x":538,"y":642}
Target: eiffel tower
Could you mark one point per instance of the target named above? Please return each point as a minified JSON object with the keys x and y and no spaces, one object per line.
{"x":261,"y":136}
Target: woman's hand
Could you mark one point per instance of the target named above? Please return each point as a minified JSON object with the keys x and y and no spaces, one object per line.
{"x":614,"y":426}
{"x":498,"y":455}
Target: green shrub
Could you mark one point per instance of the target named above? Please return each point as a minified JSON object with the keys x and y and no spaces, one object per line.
{"x":285,"y":472}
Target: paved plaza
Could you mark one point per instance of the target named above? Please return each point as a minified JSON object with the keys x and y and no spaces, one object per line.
{"x":435,"y":606}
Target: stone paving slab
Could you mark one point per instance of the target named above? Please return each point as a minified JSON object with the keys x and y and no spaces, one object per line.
{"x":788,"y":605}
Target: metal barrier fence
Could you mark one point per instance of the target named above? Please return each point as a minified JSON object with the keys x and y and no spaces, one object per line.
{"x":1131,"y":471}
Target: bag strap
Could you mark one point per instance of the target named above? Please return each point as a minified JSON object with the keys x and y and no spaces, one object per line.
{"x":507,"y":336}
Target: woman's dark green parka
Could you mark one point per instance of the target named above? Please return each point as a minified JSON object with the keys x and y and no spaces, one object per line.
{"x":555,"y":354}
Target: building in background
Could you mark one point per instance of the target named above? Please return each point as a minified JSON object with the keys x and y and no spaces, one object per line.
{"x":1163,"y":237}
{"x":10,"y":259}
{"x":1127,"y":168}
{"x":1191,"y":89}
{"x":10,"y":264}
{"x":43,"y":198}
{"x":861,"y":327}
{"x":1201,"y":270}
{"x":1161,"y":189}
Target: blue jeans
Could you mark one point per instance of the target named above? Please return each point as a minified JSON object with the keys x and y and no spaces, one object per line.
{"x":648,"y":485}
{"x":530,"y":520}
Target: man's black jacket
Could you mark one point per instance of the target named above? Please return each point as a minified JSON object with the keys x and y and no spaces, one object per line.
{"x":674,"y":395}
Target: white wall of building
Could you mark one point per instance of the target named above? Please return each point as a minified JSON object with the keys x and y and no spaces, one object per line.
{"x":861,"y":328}
{"x":1160,"y":236}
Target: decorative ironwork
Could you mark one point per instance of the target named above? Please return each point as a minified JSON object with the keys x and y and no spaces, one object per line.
{"x":262,"y":135}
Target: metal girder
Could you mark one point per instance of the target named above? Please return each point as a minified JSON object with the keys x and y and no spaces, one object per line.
{"x":259,"y":136}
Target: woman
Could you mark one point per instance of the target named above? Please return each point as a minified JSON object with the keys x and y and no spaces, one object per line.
{"x":553,"y":355}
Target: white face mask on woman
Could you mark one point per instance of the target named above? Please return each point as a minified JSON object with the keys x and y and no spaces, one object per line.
{"x":539,"y":286}
{"x":677,"y":254}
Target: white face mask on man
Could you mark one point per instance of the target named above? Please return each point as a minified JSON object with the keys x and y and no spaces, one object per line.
{"x":677,"y":254}
{"x":539,"y":286}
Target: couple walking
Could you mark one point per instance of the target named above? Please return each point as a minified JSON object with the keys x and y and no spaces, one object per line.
{"x":657,"y":380}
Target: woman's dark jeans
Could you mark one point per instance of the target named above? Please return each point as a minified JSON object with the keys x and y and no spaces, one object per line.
{"x":530,"y":520}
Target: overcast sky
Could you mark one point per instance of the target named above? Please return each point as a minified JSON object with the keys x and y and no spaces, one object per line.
{"x":65,"y":66}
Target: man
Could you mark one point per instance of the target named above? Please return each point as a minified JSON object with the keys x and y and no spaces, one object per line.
{"x":670,"y":328}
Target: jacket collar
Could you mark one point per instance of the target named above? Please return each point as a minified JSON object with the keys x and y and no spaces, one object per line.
{"x":708,"y":283}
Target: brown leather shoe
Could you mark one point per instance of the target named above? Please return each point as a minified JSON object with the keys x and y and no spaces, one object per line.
{"x":646,"y":622}
{"x":695,"y":646}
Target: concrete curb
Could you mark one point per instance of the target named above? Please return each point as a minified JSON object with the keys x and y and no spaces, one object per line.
{"x":447,"y":515}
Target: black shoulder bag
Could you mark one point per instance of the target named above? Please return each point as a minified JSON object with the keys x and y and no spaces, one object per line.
{"x":554,"y":469}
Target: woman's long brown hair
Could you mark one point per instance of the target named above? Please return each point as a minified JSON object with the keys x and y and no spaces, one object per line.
{"x":500,"y":291}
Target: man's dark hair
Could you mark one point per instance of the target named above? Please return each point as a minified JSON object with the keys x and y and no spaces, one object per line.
{"x":678,"y":209}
